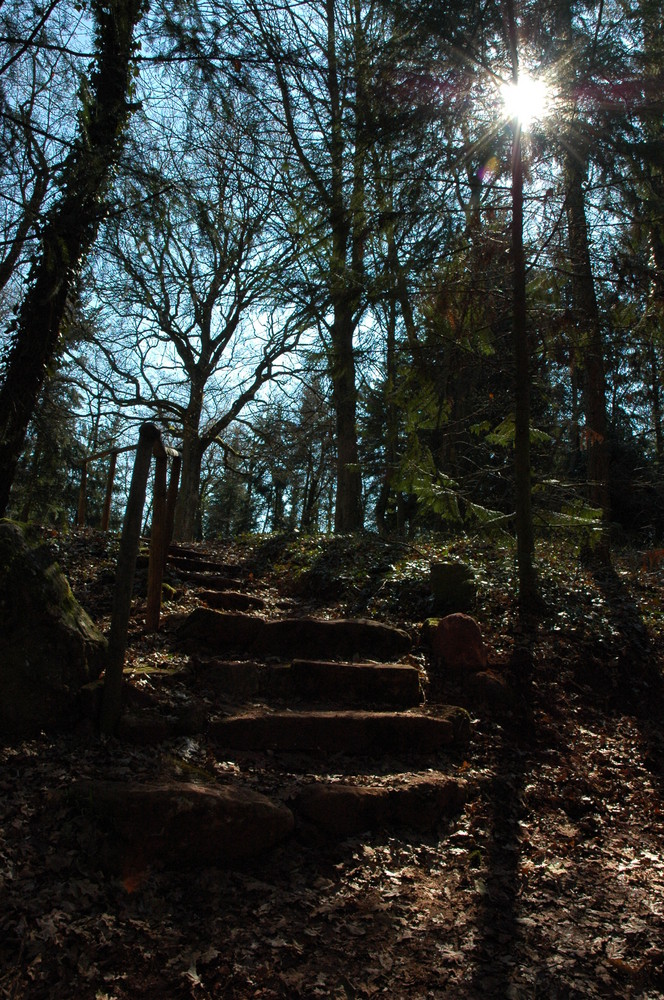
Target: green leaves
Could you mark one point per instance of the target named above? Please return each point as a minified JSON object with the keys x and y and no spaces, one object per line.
{"x":503,"y":434}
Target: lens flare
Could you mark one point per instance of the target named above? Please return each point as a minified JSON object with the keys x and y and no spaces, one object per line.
{"x":526,"y":100}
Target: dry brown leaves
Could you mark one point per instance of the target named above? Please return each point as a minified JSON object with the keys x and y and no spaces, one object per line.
{"x":550,"y":885}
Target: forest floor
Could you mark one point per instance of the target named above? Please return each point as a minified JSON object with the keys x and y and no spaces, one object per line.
{"x":549,"y":884}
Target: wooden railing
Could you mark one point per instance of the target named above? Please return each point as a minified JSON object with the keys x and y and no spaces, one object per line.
{"x":163,"y":511}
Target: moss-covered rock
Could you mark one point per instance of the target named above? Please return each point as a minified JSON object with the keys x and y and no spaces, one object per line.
{"x":49,"y":646}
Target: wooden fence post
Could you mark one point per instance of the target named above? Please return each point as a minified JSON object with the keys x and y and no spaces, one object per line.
{"x":124,"y":579}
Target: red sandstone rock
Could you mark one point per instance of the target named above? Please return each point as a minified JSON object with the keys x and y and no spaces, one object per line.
{"x":457,"y":645}
{"x":343,"y":732}
{"x":340,"y":810}
{"x":294,"y":637}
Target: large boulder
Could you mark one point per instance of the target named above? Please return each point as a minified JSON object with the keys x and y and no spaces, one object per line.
{"x":49,"y":647}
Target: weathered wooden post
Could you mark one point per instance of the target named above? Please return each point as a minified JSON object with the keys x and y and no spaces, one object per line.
{"x":124,"y":579}
{"x":106,"y":513}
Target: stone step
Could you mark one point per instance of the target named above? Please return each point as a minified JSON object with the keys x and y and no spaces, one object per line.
{"x":223,"y":578}
{"x":349,"y":732}
{"x":184,"y":551}
{"x":232,"y":600}
{"x":214,"y":581}
{"x":195,"y":563}
{"x":316,"y":681}
{"x":183,"y":825}
{"x":415,"y":801}
{"x":294,"y":637}
{"x":356,"y":683}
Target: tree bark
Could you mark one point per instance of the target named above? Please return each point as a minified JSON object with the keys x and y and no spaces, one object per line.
{"x":348,"y":507}
{"x":653,"y":202}
{"x":383,"y":522}
{"x":588,"y":343}
{"x":124,"y":580}
{"x":525,"y":540}
{"x":589,"y":337}
{"x":186,"y":511}
{"x":345,"y":297}
{"x":656,"y":400}
{"x":69,"y":230}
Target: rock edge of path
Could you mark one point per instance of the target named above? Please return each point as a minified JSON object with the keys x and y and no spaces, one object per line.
{"x":188,"y":825}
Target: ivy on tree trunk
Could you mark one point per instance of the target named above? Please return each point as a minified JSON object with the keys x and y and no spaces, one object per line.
{"x":69,"y":229}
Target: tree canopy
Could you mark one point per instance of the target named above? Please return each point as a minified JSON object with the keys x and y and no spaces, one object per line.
{"x":354,"y":283}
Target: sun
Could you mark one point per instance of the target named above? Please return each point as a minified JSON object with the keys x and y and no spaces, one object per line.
{"x":527,"y":100}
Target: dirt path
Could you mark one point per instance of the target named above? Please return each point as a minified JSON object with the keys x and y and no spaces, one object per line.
{"x":549,"y":885}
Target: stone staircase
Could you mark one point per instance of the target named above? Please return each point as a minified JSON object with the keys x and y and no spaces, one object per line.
{"x":329,"y":711}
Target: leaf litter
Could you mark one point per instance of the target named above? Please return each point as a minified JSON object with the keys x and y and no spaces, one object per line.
{"x":550,"y":883}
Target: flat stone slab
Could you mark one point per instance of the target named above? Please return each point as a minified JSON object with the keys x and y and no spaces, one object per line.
{"x":232,"y":600}
{"x":351,"y":683}
{"x":295,"y":637}
{"x":321,"y":682}
{"x":341,"y":810}
{"x":188,"y":562}
{"x":184,"y":551}
{"x":343,"y":732}
{"x":182,"y":825}
{"x":343,"y":638}
{"x":215,"y":581}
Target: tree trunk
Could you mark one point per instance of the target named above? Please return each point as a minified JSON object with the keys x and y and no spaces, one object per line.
{"x":575,"y":411}
{"x":186,"y":511}
{"x":656,"y":400}
{"x":346,"y":221}
{"x":384,"y":523}
{"x":348,"y":510}
{"x":124,"y":580}
{"x":279,"y":483}
{"x":186,"y":523}
{"x":589,"y":337}
{"x":588,"y":342}
{"x":69,"y":230}
{"x":652,"y":208}
{"x":525,"y":541}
